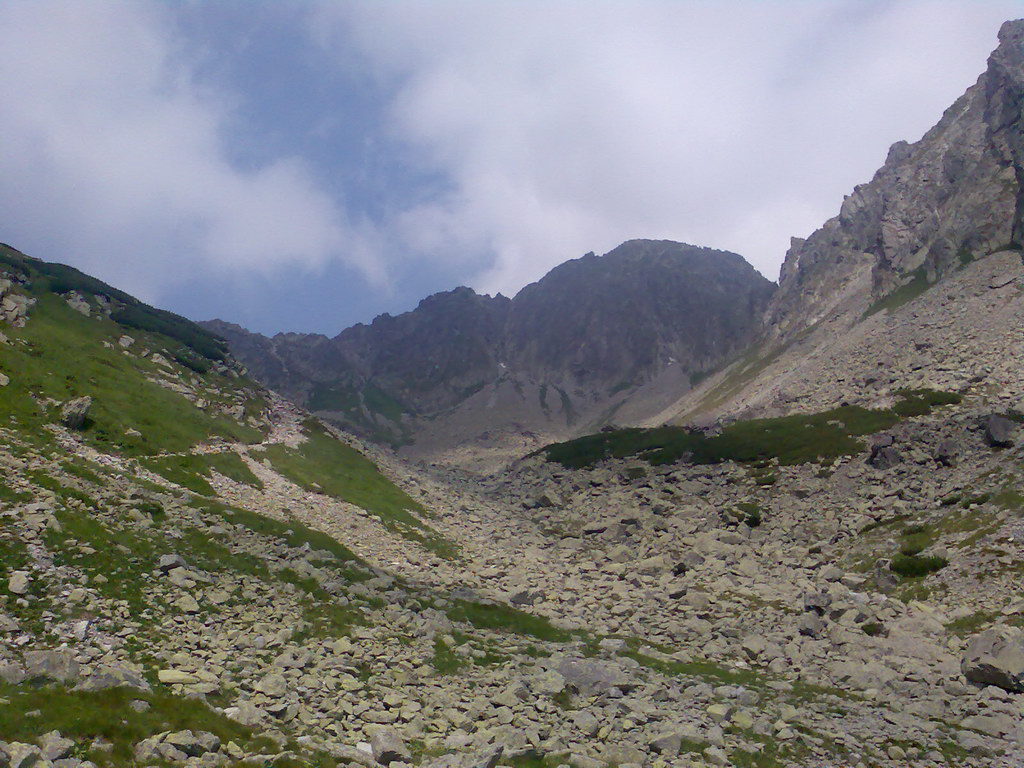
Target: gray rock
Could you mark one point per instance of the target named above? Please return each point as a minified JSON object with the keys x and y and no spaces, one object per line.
{"x":13,"y":674}
{"x":590,"y":677}
{"x":114,"y":676}
{"x":170,"y":562}
{"x":19,"y":583}
{"x":55,"y":746}
{"x":388,"y":747}
{"x":23,"y":755}
{"x":996,"y":657}
{"x":273,"y":684}
{"x":59,"y":666}
{"x":883,"y":454}
{"x":999,"y":431}
{"x":192,"y":743}
{"x":74,"y":412}
{"x":487,"y":758}
{"x":947,"y":452}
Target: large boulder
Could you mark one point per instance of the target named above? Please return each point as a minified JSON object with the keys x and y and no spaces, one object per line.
{"x":114,"y":676}
{"x":996,"y":657}
{"x":388,"y":747}
{"x":883,"y":454}
{"x":999,"y":431}
{"x":590,"y":677}
{"x":59,"y":666}
{"x":74,"y":412}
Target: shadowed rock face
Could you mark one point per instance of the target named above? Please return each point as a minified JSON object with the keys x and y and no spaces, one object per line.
{"x":951,"y":197}
{"x":606,"y":321}
{"x":593,"y":326}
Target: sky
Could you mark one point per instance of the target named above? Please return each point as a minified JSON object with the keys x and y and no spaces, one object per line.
{"x":303,"y":166}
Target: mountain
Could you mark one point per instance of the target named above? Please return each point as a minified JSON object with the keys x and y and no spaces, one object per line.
{"x":934,"y":206}
{"x":561,"y":356}
{"x":196,"y":571}
{"x":896,"y":287}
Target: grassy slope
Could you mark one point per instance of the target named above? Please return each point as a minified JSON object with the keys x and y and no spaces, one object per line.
{"x":789,"y":440}
{"x":60,"y":355}
{"x":326,"y":465}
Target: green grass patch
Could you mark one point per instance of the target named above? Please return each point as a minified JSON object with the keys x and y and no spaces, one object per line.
{"x":444,"y":659}
{"x":293,"y":532}
{"x":789,"y":440}
{"x":10,"y":496}
{"x":123,"y":557}
{"x":130,"y":312}
{"x":83,"y":716}
{"x":903,"y":294}
{"x":703,"y":670}
{"x":914,"y":566}
{"x":921,"y":402}
{"x":324,"y":464}
{"x":504,"y":618}
{"x":193,"y":471}
{"x":969,"y":625}
{"x":796,"y":439}
{"x":186,"y":470}
{"x":230,"y":465}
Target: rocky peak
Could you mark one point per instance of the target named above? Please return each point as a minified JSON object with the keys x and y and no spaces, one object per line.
{"x":599,"y":322}
{"x":936,"y":204}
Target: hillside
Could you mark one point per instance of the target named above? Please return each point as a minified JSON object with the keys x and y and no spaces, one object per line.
{"x":561,"y":357}
{"x":197,"y":572}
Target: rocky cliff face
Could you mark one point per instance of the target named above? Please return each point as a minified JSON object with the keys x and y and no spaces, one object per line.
{"x":937,"y":204}
{"x":616,"y":320}
{"x":564,"y":348}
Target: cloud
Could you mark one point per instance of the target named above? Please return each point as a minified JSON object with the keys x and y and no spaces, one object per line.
{"x":568,"y":126}
{"x":116,"y":157}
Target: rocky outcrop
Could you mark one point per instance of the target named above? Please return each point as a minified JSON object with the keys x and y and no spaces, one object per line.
{"x":951,"y":197}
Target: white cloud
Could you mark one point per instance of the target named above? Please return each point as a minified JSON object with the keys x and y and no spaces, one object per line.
{"x":114,"y":157}
{"x":568,"y":126}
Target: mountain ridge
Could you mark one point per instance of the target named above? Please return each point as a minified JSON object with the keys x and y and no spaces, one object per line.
{"x":554,"y":357}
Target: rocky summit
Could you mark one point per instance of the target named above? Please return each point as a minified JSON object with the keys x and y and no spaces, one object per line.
{"x":793,"y":538}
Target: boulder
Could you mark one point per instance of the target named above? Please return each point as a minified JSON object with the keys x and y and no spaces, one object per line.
{"x":74,"y":412}
{"x":176,"y":677}
{"x":999,"y":431}
{"x":59,"y":666}
{"x":947,"y":452}
{"x":21,"y":755}
{"x":590,"y":677}
{"x":192,"y":743}
{"x":168,"y":563}
{"x":996,"y":657}
{"x":883,"y":454}
{"x":114,"y":676}
{"x":388,"y":747}
{"x":55,"y":747}
{"x":19,"y":583}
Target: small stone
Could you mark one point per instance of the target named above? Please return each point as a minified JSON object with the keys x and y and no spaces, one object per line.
{"x":19,"y":583}
{"x":176,"y":677}
{"x":187,"y":604}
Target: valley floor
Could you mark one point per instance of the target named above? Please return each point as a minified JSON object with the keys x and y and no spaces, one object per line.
{"x":625,"y":614}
